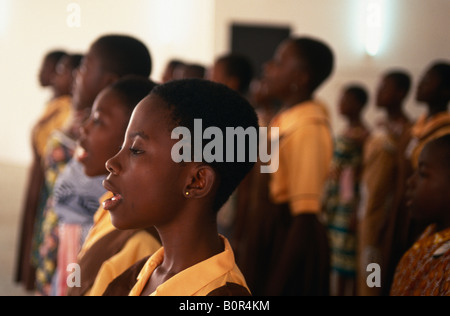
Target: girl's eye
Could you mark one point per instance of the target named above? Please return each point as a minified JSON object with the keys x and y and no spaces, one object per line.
{"x":135,"y":151}
{"x":96,"y":119}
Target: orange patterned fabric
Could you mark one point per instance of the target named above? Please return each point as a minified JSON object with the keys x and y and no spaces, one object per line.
{"x":424,"y":270}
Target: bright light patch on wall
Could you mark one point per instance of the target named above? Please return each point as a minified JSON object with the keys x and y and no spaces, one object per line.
{"x":373,"y":26}
{"x":173,"y":19}
{"x":4,"y":18}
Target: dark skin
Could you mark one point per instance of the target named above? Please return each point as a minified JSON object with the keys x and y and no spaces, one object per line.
{"x":429,"y":188}
{"x":350,"y":108}
{"x":102,"y":134}
{"x":90,"y":79}
{"x":150,"y":190}
{"x":218,"y":73}
{"x":286,"y":77}
{"x":287,"y":80}
{"x":433,"y":93}
{"x":47,"y":71}
{"x":63,"y":78}
{"x":390,"y":98}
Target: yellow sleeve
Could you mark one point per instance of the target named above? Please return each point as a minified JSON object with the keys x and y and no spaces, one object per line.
{"x":142,"y":244}
{"x":305,"y":157}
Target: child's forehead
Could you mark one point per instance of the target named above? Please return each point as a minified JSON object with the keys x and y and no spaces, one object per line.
{"x":434,"y":154}
{"x":152,"y":108}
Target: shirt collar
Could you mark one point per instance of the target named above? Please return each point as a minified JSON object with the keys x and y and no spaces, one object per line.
{"x":190,"y":280}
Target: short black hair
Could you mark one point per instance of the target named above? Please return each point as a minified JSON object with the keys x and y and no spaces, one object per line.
{"x":174,"y":63}
{"x":55,"y":56}
{"x":442,"y":69}
{"x":318,"y":58}
{"x":402,"y":79}
{"x":240,"y":67}
{"x":75,"y":60}
{"x":123,"y":55}
{"x":218,"y":106}
{"x":132,"y":89}
{"x":194,"y":71}
{"x":359,"y":92}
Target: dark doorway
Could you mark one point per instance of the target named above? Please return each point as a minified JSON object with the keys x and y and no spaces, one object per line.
{"x":257,"y":42}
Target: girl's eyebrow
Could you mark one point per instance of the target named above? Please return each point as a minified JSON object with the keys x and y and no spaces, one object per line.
{"x":138,"y":134}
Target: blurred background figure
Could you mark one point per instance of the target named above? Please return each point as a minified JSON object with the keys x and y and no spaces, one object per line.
{"x":341,"y":196}
{"x":169,"y":71}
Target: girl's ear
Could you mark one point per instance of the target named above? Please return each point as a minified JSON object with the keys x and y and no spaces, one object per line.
{"x":200,"y":182}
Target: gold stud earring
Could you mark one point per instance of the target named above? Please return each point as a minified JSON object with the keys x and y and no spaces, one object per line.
{"x":186,"y":193}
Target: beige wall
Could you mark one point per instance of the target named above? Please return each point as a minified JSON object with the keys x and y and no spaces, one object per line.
{"x":415,"y":32}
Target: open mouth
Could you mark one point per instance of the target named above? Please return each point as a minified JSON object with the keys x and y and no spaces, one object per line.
{"x":80,"y":153}
{"x":111,"y":203}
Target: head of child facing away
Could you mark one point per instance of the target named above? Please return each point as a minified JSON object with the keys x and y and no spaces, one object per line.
{"x":180,"y":199}
{"x":102,"y":134}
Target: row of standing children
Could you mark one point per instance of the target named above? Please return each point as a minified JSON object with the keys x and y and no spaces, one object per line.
{"x":275,"y":224}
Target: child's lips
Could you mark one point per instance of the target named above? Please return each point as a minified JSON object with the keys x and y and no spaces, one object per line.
{"x":81,"y":154}
{"x":115,"y":200}
{"x":112,"y":203}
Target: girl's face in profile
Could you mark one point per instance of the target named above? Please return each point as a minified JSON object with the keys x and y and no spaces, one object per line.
{"x":102,"y":134}
{"x":147,"y":184}
{"x":282,"y":70}
{"x":429,"y":187}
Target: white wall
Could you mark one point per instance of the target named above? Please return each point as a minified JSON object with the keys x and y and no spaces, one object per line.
{"x":415,"y":33}
{"x":29,"y":28}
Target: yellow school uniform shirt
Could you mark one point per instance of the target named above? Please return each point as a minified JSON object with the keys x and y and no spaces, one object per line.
{"x":137,"y":247}
{"x":197,"y":280}
{"x":425,"y":130}
{"x":305,"y":152}
{"x":55,"y":115}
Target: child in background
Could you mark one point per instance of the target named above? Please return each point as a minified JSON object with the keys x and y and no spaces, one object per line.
{"x":381,"y":174}
{"x":341,"y":196}
{"x":180,"y":199}
{"x":233,"y":70}
{"x":300,"y":253}
{"x":424,"y":269}
{"x":109,"y":58}
{"x":249,"y":222}
{"x":55,"y":114}
{"x":107,"y":251}
{"x":169,"y":71}
{"x":62,"y":87}
{"x":434,"y":91}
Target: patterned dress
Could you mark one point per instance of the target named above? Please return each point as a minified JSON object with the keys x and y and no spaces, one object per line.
{"x":424,"y":269}
{"x":341,"y":199}
{"x":60,"y":150}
